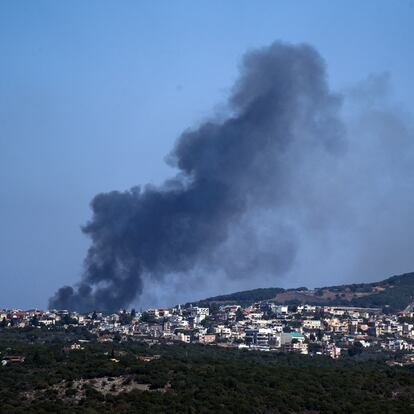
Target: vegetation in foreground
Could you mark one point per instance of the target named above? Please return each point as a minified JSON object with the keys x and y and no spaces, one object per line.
{"x":108,"y":378}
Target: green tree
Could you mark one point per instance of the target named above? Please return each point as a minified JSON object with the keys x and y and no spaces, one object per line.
{"x":239,"y":315}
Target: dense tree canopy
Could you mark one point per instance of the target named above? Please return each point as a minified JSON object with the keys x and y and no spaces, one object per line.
{"x":192,"y":379}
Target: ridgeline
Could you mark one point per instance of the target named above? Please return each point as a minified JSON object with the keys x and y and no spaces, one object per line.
{"x":393,"y":294}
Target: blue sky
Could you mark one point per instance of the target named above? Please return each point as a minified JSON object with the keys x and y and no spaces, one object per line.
{"x":94,"y":94}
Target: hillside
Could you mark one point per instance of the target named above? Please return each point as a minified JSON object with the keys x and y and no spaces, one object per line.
{"x":110,"y":378}
{"x":393,"y":294}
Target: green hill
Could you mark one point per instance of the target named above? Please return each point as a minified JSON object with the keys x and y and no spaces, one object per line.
{"x":392,"y":294}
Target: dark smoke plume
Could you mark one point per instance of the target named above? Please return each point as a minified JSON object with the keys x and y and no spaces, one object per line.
{"x":234,"y":174}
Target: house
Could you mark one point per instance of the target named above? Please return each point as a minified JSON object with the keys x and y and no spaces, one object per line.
{"x":12,"y":359}
{"x":72,"y":347}
{"x":200,"y":311}
{"x":183,"y":337}
{"x":287,"y":338}
{"x":206,"y":338}
{"x":312,"y":324}
{"x":281,"y":310}
{"x":262,"y":337}
{"x":148,"y":358}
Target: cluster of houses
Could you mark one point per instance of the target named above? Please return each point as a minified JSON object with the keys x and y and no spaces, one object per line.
{"x":317,"y":330}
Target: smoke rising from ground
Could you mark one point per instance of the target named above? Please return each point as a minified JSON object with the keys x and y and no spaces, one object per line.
{"x":291,"y":181}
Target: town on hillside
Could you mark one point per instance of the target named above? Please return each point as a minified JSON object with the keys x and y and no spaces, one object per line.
{"x":334,"y":331}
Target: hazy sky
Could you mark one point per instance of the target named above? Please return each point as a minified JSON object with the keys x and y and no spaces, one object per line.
{"x":94,"y":94}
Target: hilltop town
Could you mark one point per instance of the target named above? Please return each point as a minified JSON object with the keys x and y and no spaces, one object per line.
{"x":334,"y":331}
{"x":214,"y":353}
{"x":262,"y":319}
